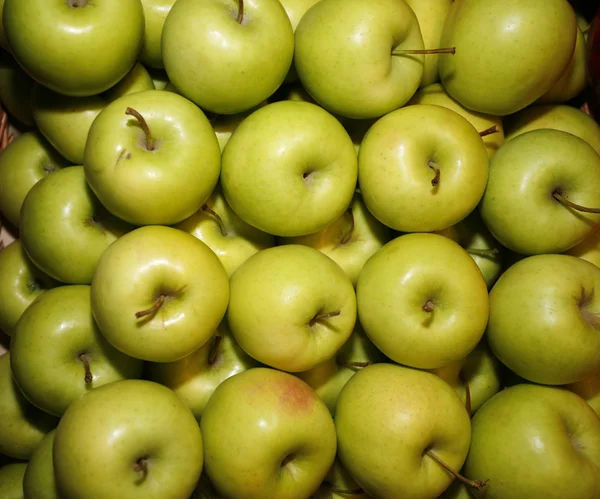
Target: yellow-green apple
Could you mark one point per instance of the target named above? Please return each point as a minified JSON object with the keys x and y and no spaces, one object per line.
{"x":559,"y":117}
{"x":538,"y":442}
{"x":152,"y":145}
{"x":195,"y":377}
{"x":436,"y":94}
{"x":339,"y":484}
{"x":232,"y":239}
{"x":27,"y":159}
{"x":64,"y":228}
{"x":15,"y":89}
{"x":289,"y":169}
{"x":543,"y":192}
{"x":231,"y":63}
{"x":102,"y":40}
{"x":431,"y":15}
{"x":291,"y":307}
{"x":543,"y":322}
{"x":476,"y":378}
{"x":3,"y":40}
{"x":349,"y":241}
{"x":39,"y":481}
{"x":589,"y":248}
{"x":422,"y":301}
{"x":457,"y":490}
{"x":159,"y":78}
{"x":139,"y":440}
{"x":491,"y":52}
{"x":65,"y":121}
{"x":159,"y":293}
{"x":155,"y":13}
{"x":267,"y":434}
{"x":394,"y":422}
{"x":225,"y":124}
{"x":58,"y":352}
{"x":589,"y":389}
{"x":11,"y":480}
{"x":23,"y":425}
{"x":422,"y":168}
{"x":351,"y":55}
{"x":357,"y":129}
{"x":22,"y":282}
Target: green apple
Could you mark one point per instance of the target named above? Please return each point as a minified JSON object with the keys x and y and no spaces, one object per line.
{"x":23,"y":425}
{"x":232,"y":239}
{"x":3,"y":40}
{"x":225,"y":124}
{"x":589,"y":248}
{"x":589,"y":389}
{"x":39,"y":481}
{"x":349,"y":241}
{"x":128,"y":439}
{"x":537,"y":442}
{"x":350,"y":55}
{"x":394,"y":422}
{"x":540,"y":186}
{"x":195,"y":377}
{"x":222,"y":55}
{"x":457,"y":490}
{"x":289,"y":169}
{"x":436,"y":94}
{"x":59,"y":354}
{"x":152,"y":145}
{"x":64,"y":228}
{"x":427,"y":177}
{"x":267,"y":434}
{"x":357,"y":129}
{"x":21,"y":283}
{"x":291,"y":307}
{"x":11,"y":480}
{"x":159,"y":293}
{"x":27,"y":159}
{"x":431,"y":15}
{"x":422,"y":301}
{"x":559,"y":117}
{"x":155,"y":13}
{"x":543,"y":322}
{"x":159,"y":78}
{"x":16,"y":88}
{"x":498,"y":44}
{"x":65,"y":121}
{"x":101,"y":40}
{"x":339,"y":484}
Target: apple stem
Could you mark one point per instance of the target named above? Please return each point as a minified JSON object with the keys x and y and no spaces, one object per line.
{"x":450,"y":50}
{"x":489,"y":253}
{"x":468,"y":398}
{"x":562,"y":199}
{"x":476,"y":484}
{"x":348,"y":235}
{"x":240,"y":14}
{"x":357,"y":364}
{"x":428,"y":306}
{"x":149,"y":311}
{"x":214,"y":349}
{"x":320,"y":317}
{"x":489,"y":131}
{"x":215,"y":215}
{"x":141,"y":466}
{"x":150,"y":142}
{"x":86,"y":365}
{"x":436,"y":179}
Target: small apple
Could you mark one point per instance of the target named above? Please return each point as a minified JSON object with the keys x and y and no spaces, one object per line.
{"x":11,"y":480}
{"x":15,"y":88}
{"x":589,"y":389}
{"x":39,"y":481}
{"x":225,"y":124}
{"x":589,"y":248}
{"x":155,"y":13}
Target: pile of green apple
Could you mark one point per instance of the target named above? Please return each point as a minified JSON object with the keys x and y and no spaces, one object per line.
{"x":292,"y":249}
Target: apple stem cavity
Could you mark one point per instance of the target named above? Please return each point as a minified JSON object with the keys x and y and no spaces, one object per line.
{"x":562,"y":199}
{"x":214,"y":349}
{"x":207,"y":209}
{"x":428,"y":306}
{"x":436,"y":179}
{"x":348,"y":234}
{"x":476,"y":484}
{"x":484,"y":253}
{"x":489,"y":131}
{"x":76,"y":4}
{"x":150,"y":142}
{"x":153,"y":309}
{"x":86,"y":365}
{"x":321,"y":317}
{"x":449,"y":50}
{"x":141,"y":466}
{"x":240,"y":14}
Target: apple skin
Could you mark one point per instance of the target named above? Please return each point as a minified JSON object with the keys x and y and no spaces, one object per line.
{"x":283,"y":436}
{"x":537,"y":442}
{"x":387,"y":417}
{"x":178,"y":174}
{"x":155,"y":13}
{"x":64,"y":228}
{"x":50,"y":337}
{"x":11,"y":480}
{"x":15,"y":88}
{"x":227,"y":67}
{"x":195,"y":377}
{"x":23,"y":425}
{"x":547,"y":300}
{"x":103,"y":41}
{"x":240,"y":240}
{"x":395,"y":175}
{"x":27,"y":159}
{"x":589,"y":248}
{"x":457,"y":490}
{"x":518,"y":206}
{"x":589,"y":390}
{"x":339,"y":484}
{"x":122,"y":423}
{"x":22,"y":282}
{"x":39,"y":481}
{"x":153,"y":262}
{"x":408,"y":273}
{"x":277,"y":294}
{"x":289,"y":169}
